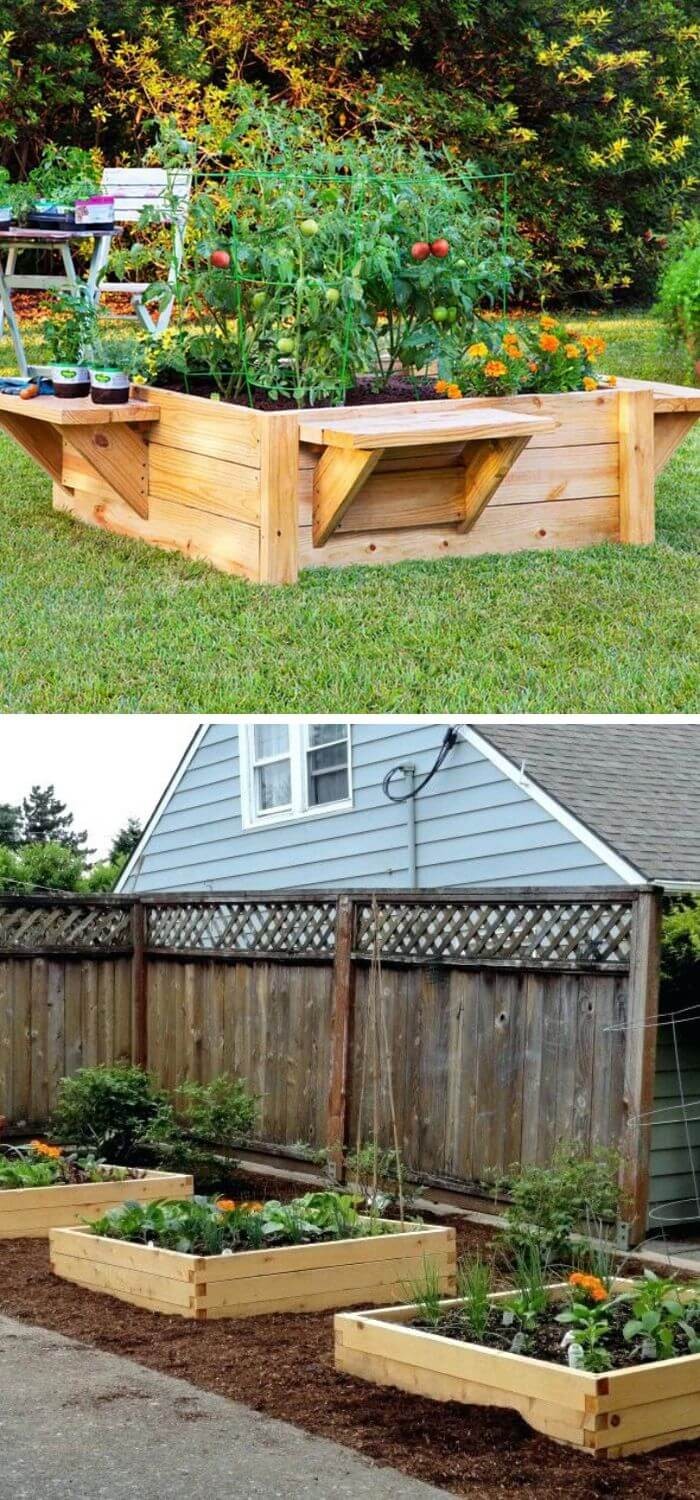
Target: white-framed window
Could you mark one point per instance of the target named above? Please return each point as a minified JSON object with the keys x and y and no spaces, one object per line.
{"x":294,"y":770}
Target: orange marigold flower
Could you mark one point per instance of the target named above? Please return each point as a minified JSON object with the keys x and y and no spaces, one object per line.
{"x":225,"y":1205}
{"x":441,"y":387}
{"x":592,"y":1285}
{"x":533,"y":365}
{"x":454,"y":392}
{"x":612,"y":380}
{"x":477,"y":351}
{"x":495,"y":368}
{"x":251,"y":1208}
{"x":547,"y":322}
{"x":572,"y":351}
{"x":592,"y":344}
{"x":42,"y":1148}
{"x":589,"y":384}
{"x":549,"y":343}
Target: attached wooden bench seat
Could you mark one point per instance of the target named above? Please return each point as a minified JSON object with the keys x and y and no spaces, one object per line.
{"x":492,"y":440}
{"x":675,"y":408}
{"x":106,"y":436}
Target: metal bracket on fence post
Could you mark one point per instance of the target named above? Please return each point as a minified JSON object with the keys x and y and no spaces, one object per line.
{"x":341,"y":1029}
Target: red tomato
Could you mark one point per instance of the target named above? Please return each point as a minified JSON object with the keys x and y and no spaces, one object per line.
{"x":221,"y":259}
{"x":440,"y":248}
{"x":421,"y":250}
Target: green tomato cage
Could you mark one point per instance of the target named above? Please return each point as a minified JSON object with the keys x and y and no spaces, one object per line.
{"x":322,"y":283}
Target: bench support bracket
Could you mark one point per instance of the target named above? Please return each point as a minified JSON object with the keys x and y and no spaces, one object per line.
{"x":340,"y":473}
{"x":486,"y":464}
{"x":119,"y":454}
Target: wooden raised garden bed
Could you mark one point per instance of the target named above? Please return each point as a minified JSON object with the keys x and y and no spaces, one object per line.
{"x":30,"y":1213}
{"x":296,"y":1278}
{"x":608,"y":1416}
{"x":263,"y":494}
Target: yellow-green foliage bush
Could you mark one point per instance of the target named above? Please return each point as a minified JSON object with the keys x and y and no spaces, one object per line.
{"x":596,"y":108}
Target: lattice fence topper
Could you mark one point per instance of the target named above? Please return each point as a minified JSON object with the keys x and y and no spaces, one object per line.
{"x":525,"y":933}
{"x":76,"y":926}
{"x":275,"y":927}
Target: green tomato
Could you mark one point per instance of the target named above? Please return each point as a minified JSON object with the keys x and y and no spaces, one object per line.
{"x":332,"y":296}
{"x":441,"y":314}
{"x":259,"y":299}
{"x":285,"y":346}
{"x":461,"y":264}
{"x":309,"y":228}
{"x":452,"y":315}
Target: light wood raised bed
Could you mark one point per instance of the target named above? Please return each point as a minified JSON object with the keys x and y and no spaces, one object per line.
{"x":263,"y":494}
{"x":30,"y":1213}
{"x":606,"y":1416}
{"x":297,"y":1278}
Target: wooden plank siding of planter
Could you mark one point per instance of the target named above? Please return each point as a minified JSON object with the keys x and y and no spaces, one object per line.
{"x":295,"y":1278}
{"x":605,"y":1416}
{"x":30,"y":1213}
{"x":235,"y":487}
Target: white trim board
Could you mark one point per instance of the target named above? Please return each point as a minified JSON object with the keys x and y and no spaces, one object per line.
{"x":171,"y":787}
{"x":602,"y":851}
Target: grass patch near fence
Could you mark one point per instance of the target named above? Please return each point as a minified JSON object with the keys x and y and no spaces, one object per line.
{"x":94,"y":623}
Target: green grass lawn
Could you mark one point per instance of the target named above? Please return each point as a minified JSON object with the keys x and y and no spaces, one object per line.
{"x":90,"y":623}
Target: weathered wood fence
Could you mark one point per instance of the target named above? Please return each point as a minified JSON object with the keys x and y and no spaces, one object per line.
{"x":515,"y":1018}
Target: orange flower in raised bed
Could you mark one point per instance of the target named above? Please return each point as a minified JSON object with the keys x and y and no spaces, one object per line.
{"x":572,"y":351}
{"x":453,"y":392}
{"x":533,"y":365}
{"x":495,"y":368}
{"x":549,"y":343}
{"x":591,"y":1285}
{"x":612,"y":380}
{"x":547,"y":322}
{"x":477,"y":351}
{"x":592,"y":344}
{"x":512,"y":346}
{"x":42,"y":1148}
{"x":441,"y":387}
{"x":225,"y":1205}
{"x":589,"y":384}
{"x":251,"y":1208}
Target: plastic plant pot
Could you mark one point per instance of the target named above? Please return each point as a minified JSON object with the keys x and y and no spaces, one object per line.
{"x":94,"y":213}
{"x":5,"y":216}
{"x":48,"y":215}
{"x":70,"y":381}
{"x":109,"y":387}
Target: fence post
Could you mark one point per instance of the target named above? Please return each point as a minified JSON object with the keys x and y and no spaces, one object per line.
{"x":139,"y":995}
{"x":640,"y":1058}
{"x":341,"y":1028}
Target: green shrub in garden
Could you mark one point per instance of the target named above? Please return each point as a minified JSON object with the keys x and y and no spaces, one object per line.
{"x":679,"y":295}
{"x":108,"y":1110}
{"x":550,"y":1204}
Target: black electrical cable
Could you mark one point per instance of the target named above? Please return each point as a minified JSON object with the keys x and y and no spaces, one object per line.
{"x":449,"y":741}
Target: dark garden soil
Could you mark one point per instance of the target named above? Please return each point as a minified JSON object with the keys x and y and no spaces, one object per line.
{"x":362,"y":394}
{"x":283,"y":1366}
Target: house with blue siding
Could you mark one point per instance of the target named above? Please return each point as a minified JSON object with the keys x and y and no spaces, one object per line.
{"x":267,"y":805}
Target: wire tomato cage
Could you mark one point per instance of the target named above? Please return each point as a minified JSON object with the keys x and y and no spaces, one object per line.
{"x":318,"y":281}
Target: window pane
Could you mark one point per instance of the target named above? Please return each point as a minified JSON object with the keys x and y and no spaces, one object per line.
{"x":271,"y":739}
{"x":328,"y":758}
{"x":329,"y":786}
{"x":273,"y":786}
{"x":325,"y":734}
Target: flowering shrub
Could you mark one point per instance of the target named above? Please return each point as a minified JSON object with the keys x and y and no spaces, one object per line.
{"x":504,"y":359}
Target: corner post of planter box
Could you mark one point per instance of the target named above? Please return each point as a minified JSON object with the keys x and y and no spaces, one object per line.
{"x":640,"y":1058}
{"x":636,"y":452}
{"x":341,"y":1030}
{"x":279,"y":501}
{"x":139,"y":989}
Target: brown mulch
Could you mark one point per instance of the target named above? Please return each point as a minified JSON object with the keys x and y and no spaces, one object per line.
{"x":283,"y":1366}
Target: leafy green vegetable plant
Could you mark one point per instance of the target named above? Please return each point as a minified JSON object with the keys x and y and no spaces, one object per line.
{"x":214,"y":1226}
{"x":659,"y":1311}
{"x":70,"y":328}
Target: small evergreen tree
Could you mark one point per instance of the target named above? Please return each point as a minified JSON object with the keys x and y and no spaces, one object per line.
{"x":125,"y":841}
{"x":46,"y":820}
{"x":10,"y":825}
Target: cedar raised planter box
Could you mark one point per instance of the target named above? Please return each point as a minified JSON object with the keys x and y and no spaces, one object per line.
{"x":30,"y":1213}
{"x":608,"y":1416}
{"x":263,"y":494}
{"x":296,"y":1278}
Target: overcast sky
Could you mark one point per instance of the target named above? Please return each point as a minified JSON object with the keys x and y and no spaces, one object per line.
{"x":106,"y":768}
